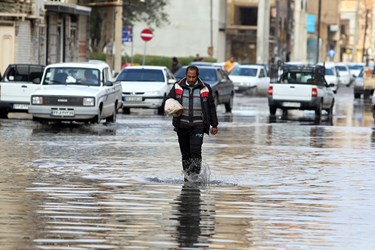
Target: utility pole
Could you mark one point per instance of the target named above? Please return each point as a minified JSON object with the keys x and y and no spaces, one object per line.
{"x":118,"y":36}
{"x":277,"y":30}
{"x":364,"y":50}
{"x":318,"y":37}
{"x":263,"y":31}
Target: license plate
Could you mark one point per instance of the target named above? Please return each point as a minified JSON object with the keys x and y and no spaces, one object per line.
{"x":133,"y":98}
{"x":292,"y":104}
{"x":21,"y":106}
{"x":62,"y":112}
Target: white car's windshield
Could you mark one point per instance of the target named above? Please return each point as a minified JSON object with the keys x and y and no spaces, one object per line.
{"x":329,"y":72}
{"x":78,"y":76}
{"x":141,"y":75}
{"x":341,"y":68}
{"x":239,"y":71}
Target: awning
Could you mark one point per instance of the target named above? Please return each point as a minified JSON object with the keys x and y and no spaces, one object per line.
{"x":67,"y":8}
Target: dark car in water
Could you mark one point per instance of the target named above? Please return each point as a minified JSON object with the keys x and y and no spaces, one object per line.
{"x":218,"y":79}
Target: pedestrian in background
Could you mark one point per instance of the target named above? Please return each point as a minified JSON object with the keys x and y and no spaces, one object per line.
{"x":198,"y":58}
{"x":175,"y":65}
{"x":196,"y":118}
{"x":229,"y":65}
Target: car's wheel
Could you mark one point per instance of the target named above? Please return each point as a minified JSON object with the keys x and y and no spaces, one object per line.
{"x":330,"y":110}
{"x":318,"y":110}
{"x":272,"y":110}
{"x":98,"y":117}
{"x":161,"y":108}
{"x":112,"y":118}
{"x":229,"y":105}
{"x":285,"y":113}
{"x":366,"y":95}
{"x":126,"y":111}
{"x":357,"y":95}
{"x":3,"y":114}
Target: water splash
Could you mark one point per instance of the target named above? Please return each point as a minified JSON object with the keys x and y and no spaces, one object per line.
{"x":202,"y":178}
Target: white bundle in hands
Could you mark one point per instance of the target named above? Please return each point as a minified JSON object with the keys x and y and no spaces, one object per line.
{"x":173,"y":107}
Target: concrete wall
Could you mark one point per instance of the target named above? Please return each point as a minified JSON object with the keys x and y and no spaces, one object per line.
{"x":188,"y":33}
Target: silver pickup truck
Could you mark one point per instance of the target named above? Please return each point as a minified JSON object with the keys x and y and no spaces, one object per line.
{"x":302,"y":88}
{"x":16,"y":86}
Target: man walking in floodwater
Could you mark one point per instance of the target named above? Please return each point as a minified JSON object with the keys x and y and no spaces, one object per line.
{"x":197,"y":115}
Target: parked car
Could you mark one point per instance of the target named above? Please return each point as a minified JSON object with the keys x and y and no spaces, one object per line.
{"x":331,"y":75}
{"x":222,"y":86}
{"x":345,"y":76}
{"x":145,"y":87}
{"x":246,"y":77}
{"x":16,"y":87}
{"x":355,"y":68}
{"x":265,"y":66}
{"x":358,"y":87}
{"x":83,"y":92}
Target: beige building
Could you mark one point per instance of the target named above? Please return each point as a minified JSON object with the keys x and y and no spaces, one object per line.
{"x":358,"y":38}
{"x":43,"y":32}
{"x":253,"y":31}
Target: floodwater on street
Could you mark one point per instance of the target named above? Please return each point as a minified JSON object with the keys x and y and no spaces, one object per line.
{"x":288,"y":183}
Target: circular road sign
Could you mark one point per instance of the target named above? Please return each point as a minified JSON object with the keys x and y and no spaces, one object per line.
{"x":146,"y":35}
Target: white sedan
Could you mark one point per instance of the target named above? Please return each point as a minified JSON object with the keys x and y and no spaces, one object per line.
{"x":67,"y":94}
{"x":145,"y":87}
{"x":246,"y":77}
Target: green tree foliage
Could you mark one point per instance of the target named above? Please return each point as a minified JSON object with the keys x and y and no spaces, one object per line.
{"x":151,"y":12}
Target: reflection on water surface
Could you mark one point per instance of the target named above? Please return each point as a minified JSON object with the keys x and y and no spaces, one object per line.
{"x":292,"y":184}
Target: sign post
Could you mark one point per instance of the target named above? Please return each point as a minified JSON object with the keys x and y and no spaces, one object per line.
{"x":146,"y":36}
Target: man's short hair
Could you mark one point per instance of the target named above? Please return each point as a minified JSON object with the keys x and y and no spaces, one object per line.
{"x":192,"y":67}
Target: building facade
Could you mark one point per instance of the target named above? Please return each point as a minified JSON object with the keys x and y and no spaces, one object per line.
{"x":43,"y":32}
{"x":252,"y":31}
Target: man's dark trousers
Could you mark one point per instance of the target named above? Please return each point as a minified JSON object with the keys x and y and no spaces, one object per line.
{"x":191,"y":140}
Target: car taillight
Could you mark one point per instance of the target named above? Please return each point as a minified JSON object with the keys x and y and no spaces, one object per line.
{"x":314,"y":92}
{"x":270,"y":90}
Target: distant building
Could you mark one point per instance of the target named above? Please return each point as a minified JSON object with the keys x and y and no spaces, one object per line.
{"x":42,"y":32}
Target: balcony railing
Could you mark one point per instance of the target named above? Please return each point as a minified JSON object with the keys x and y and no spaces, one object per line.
{"x":16,"y":8}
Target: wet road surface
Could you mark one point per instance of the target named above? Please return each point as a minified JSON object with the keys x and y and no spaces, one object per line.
{"x":289,"y":183}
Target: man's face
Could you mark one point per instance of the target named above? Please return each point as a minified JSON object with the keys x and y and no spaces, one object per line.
{"x":191,"y":76}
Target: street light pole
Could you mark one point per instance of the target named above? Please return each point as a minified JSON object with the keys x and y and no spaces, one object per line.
{"x":118,"y":36}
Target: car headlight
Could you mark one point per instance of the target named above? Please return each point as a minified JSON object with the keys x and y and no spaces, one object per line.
{"x":37,"y":100}
{"x":153,"y":93}
{"x":88,"y":101}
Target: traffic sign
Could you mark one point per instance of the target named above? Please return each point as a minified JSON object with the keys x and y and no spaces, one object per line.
{"x":146,"y":35}
{"x":127,"y":34}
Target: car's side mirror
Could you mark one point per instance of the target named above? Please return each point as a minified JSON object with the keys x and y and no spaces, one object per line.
{"x":171,"y":81}
{"x":108,"y":83}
